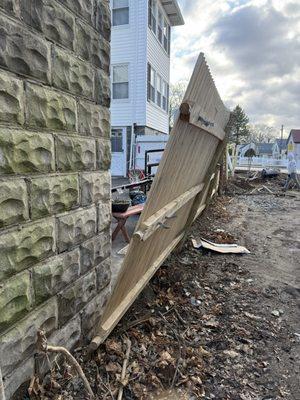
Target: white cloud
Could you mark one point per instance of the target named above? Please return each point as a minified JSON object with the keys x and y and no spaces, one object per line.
{"x":253,"y":49}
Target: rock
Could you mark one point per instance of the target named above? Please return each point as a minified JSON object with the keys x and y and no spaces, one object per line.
{"x":76,"y":296}
{"x":72,"y":75}
{"x":231,"y":353}
{"x":74,"y":228}
{"x":103,"y":154}
{"x":75,"y":154}
{"x":57,"y":23}
{"x":103,"y":274}
{"x":53,"y":195}
{"x":13,"y":202}
{"x":276,"y":313}
{"x":94,"y":251}
{"x":22,"y":152}
{"x":22,"y":248}
{"x":24,"y":52}
{"x":84,"y":8}
{"x":15,"y":299}
{"x":93,"y":119}
{"x":102,"y":88}
{"x":48,"y":108}
{"x":11,"y":100}
{"x":54,"y":274}
{"x":104,"y":215}
{"x":95,"y":187}
{"x":19,"y":342}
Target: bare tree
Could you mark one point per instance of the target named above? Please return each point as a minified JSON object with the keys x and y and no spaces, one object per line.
{"x":261,"y":133}
{"x":177,"y":91}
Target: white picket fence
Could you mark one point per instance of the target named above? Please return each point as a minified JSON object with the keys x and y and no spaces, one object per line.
{"x":264,"y":162}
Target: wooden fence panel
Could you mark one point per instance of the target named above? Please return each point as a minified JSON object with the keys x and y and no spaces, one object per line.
{"x":178,"y":193}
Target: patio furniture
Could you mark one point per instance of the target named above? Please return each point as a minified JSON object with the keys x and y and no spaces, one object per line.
{"x":122,"y":219}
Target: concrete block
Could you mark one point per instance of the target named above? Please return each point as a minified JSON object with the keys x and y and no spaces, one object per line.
{"x":103,"y":154}
{"x":84,"y":8}
{"x":68,"y":335}
{"x":51,"y":276}
{"x":23,"y":152}
{"x":15,"y":299}
{"x":93,"y":119}
{"x":103,"y":274}
{"x":94,"y":251}
{"x":95,"y":187}
{"x":76,"y":227}
{"x":71,"y":74}
{"x":103,"y":18}
{"x":102,"y":88}
{"x":23,"y":52}
{"x":104,"y":216}
{"x":75,"y":154}
{"x":18,"y":343}
{"x":53,"y":195}
{"x":13,"y":202}
{"x":76,"y":296}
{"x":48,"y":108}
{"x":51,"y":18}
{"x":21,"y":248}
{"x":11,"y":99}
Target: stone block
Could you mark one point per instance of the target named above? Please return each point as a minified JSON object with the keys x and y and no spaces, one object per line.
{"x":104,"y":216}
{"x":76,"y":227}
{"x":51,"y":276}
{"x":51,"y":18}
{"x":10,"y":6}
{"x":84,"y":8}
{"x":21,"y":248}
{"x":22,"y":374}
{"x":48,"y":108}
{"x":23,"y":152}
{"x":23,"y":52}
{"x":15,"y":299}
{"x":68,"y":335}
{"x":71,"y":74}
{"x":95,"y":187}
{"x":94,"y":251}
{"x":18,"y":343}
{"x":103,"y":274}
{"x":93,"y":119}
{"x":92,"y":47}
{"x":91,"y":314}
{"x":11,"y":99}
{"x":13,"y":202}
{"x":75,"y":154}
{"x":103,"y":154}
{"x":102,"y":88}
{"x":76,"y":296}
{"x":103,"y":18}
{"x":53,"y":195}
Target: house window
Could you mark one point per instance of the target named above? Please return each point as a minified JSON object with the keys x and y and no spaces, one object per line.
{"x":117,"y":140}
{"x":160,"y":27}
{"x":120,"y":12}
{"x":166,"y":35}
{"x":151,"y":83}
{"x":120,"y":82}
{"x":159,"y":91}
{"x":152,"y":14}
{"x":165,"y":97}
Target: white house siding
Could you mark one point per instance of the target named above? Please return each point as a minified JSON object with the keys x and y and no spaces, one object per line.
{"x":128,"y":47}
{"x":156,"y":117}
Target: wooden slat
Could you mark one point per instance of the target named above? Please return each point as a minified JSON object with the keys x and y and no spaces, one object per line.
{"x":161,"y":217}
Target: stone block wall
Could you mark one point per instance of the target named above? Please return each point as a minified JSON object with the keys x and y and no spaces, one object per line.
{"x":54,"y":179}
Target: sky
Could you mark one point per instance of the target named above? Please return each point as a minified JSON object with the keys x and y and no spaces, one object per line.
{"x":253,"y":50}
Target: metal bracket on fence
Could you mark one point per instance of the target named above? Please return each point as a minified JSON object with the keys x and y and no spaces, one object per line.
{"x":162,"y":225}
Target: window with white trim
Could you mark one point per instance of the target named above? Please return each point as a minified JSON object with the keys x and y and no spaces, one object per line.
{"x":151,"y":83}
{"x":159,"y":89}
{"x":120,"y":82}
{"x":117,"y":140}
{"x":153,"y":15}
{"x":165,"y":96}
{"x":160,"y":26}
{"x":120,"y":12}
{"x":166,"y":34}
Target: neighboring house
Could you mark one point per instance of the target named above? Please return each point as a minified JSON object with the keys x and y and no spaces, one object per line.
{"x":140,"y":73}
{"x":293,"y":143}
{"x":265,"y":149}
{"x":279,"y":147}
{"x":248,"y":149}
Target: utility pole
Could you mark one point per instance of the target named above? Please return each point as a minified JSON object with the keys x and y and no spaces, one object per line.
{"x":281,"y":132}
{"x":281,"y":137}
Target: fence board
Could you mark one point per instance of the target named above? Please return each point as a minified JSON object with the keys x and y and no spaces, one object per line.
{"x":179,"y":191}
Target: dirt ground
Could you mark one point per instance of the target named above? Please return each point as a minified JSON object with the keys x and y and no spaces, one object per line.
{"x":213,"y":326}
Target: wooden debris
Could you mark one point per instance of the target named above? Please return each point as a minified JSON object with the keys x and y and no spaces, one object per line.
{"x":124,"y":381}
